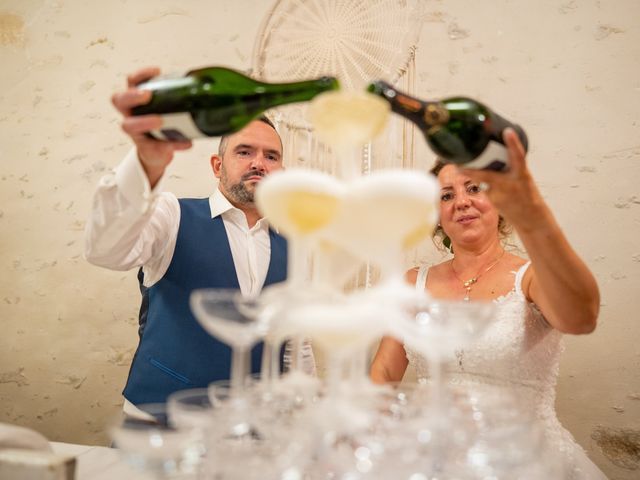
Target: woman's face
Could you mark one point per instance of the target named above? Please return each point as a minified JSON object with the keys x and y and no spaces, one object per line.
{"x":466,"y":214}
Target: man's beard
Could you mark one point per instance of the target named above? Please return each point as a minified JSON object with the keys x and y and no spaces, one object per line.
{"x":239,"y":192}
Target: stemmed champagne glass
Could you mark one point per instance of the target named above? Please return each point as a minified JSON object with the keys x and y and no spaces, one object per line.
{"x":271,"y":314}
{"x":383,"y":213}
{"x":436,"y":329}
{"x":511,"y":441}
{"x":157,"y":446}
{"x":192,"y":410}
{"x":234,"y":320}
{"x":218,"y":313}
{"x":442,"y":327}
{"x":340,"y":328}
{"x":300,"y":204}
{"x":347,"y":120}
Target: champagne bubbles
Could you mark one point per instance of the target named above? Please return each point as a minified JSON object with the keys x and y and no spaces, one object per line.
{"x":370,"y":218}
{"x":385,"y":212}
{"x":299,"y":202}
{"x":348,"y":118}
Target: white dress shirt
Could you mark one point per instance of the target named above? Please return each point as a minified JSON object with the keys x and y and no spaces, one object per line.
{"x":132,"y":225}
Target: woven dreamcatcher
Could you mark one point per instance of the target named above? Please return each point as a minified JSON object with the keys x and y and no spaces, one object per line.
{"x":355,"y":40}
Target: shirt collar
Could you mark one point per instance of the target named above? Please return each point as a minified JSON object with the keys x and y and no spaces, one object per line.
{"x":220,"y":205}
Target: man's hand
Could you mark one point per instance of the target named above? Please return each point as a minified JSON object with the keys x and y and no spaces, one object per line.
{"x":154,"y":155}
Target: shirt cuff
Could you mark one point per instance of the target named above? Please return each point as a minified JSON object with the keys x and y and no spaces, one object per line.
{"x":133,"y":183}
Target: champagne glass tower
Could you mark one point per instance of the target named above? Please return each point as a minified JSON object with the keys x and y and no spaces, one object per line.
{"x":355,"y":41}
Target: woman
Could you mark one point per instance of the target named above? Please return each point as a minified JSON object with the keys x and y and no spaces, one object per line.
{"x":537,"y":300}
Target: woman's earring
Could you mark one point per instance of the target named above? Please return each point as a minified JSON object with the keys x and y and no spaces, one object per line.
{"x":446,"y":241}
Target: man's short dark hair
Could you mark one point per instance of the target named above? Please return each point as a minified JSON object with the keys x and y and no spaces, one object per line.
{"x":225,"y":138}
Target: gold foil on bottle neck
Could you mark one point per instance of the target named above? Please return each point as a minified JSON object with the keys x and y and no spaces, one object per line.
{"x":436,"y":114}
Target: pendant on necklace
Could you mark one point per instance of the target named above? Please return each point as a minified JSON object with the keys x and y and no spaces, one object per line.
{"x":467,"y":286}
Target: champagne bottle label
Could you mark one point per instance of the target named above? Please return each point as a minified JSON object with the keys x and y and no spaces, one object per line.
{"x":167,"y":80}
{"x":177,"y":127}
{"x":493,"y":157}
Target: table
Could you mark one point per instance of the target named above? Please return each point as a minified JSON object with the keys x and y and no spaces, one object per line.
{"x":98,"y":463}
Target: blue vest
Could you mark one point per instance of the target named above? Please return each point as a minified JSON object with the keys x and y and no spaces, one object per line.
{"x":175,"y":352}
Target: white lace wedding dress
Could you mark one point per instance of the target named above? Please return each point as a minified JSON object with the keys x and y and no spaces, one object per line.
{"x":521,"y":352}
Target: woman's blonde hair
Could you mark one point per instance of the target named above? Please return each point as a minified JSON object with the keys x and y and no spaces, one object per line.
{"x":443,"y":243}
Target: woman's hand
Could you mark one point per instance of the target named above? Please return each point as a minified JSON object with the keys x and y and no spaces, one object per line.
{"x":513,"y":192}
{"x":559,"y":282}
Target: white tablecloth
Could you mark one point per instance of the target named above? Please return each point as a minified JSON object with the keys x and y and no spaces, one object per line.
{"x":98,"y":463}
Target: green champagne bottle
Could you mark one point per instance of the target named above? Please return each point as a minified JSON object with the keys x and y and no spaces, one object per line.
{"x":458,"y":129}
{"x":216,"y":101}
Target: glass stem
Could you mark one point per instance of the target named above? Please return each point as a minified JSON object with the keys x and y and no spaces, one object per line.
{"x":267,"y":363}
{"x":240,"y":360}
{"x":435,"y":368}
{"x":275,"y":359}
{"x":391,"y":268}
{"x":297,"y":268}
{"x":348,"y":159}
{"x":358,"y":366}
{"x":334,"y":375}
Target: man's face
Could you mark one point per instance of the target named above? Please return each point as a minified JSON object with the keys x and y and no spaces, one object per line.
{"x":252,"y":153}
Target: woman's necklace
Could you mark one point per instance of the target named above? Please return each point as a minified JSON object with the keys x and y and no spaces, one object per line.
{"x":469,"y":283}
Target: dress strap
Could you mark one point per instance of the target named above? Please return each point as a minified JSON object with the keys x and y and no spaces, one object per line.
{"x":421,"y":279}
{"x":519,"y":276}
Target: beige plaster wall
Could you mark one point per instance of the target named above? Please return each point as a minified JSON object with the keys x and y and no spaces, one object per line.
{"x":569,"y":71}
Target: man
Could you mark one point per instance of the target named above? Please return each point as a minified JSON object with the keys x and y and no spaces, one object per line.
{"x":182,"y":245}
